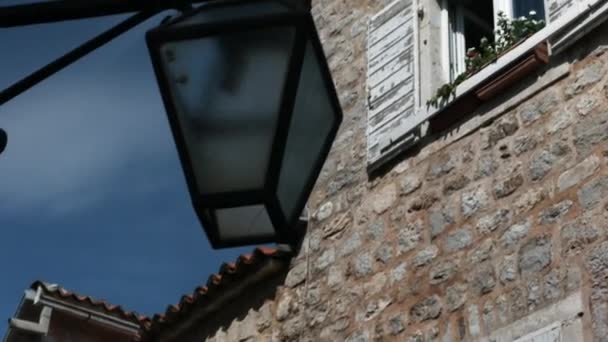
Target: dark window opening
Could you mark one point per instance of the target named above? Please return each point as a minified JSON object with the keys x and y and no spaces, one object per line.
{"x":529,"y":8}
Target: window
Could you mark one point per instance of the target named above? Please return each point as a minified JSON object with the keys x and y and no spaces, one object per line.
{"x":411,"y":88}
{"x":526,"y":7}
{"x":468,"y":21}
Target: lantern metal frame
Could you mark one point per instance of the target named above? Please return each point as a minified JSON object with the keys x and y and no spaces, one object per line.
{"x":3,"y":140}
{"x":305,"y":32}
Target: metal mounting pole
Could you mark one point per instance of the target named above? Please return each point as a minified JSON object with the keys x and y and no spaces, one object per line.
{"x":61,"y":10}
{"x":3,"y":140}
{"x":72,"y":56}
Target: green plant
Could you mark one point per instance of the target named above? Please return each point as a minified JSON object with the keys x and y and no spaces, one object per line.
{"x":508,"y":33}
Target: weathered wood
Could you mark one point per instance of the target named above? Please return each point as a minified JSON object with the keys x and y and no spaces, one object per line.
{"x":401,"y":91}
{"x":391,"y":78}
{"x":390,"y":31}
{"x":389,"y":53}
{"x":391,"y":67}
{"x":556,"y":8}
{"x":389,"y":12}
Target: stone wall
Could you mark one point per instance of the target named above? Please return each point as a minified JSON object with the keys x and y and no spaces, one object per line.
{"x":463,"y":238}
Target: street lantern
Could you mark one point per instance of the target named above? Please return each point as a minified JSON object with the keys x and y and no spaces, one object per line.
{"x":253,"y":111}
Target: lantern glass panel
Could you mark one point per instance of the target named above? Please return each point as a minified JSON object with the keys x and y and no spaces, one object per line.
{"x":311,"y":123}
{"x":226,"y":91}
{"x":244,"y":222}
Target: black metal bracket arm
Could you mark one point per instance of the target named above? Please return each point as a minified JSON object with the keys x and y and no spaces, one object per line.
{"x":62,"y":10}
{"x":72,"y":56}
{"x":3,"y":140}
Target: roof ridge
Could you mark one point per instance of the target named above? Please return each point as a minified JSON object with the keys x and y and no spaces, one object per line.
{"x":215,"y":281}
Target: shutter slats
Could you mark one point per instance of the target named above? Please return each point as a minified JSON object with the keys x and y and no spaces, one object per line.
{"x":401,"y":91}
{"x":392,"y":66}
{"x":391,"y":81}
{"x":389,"y":53}
{"x":394,"y":80}
{"x":551,"y":335}
{"x":556,"y":8}
{"x":388,"y":35}
{"x":404,"y":107}
{"x":388,"y":13}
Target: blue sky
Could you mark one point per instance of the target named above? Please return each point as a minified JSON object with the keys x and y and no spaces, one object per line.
{"x":92,"y":195}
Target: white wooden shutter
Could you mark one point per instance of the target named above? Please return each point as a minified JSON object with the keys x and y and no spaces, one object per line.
{"x":556,"y":8}
{"x":391,"y":80}
{"x":549,"y":334}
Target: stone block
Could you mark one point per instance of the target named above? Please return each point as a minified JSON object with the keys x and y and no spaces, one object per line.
{"x":425,"y":256}
{"x":428,"y":308}
{"x":456,"y":296}
{"x":473,"y":201}
{"x":593,"y":192}
{"x":508,"y":269}
{"x":458,"y":239}
{"x":441,"y":167}
{"x":482,"y":252}
{"x":363,"y":264}
{"x":440,"y":219}
{"x":585,"y":77}
{"x":443,"y":271}
{"x":490,"y":223}
{"x":578,"y":173}
{"x":577,"y":235}
{"x":384,"y":199}
{"x":515,"y":233}
{"x":532,"y":110}
{"x":409,"y":184}
{"x":535,"y":255}
{"x":508,"y":185}
{"x":589,"y":132}
{"x":554,"y":213}
{"x":483,"y":278}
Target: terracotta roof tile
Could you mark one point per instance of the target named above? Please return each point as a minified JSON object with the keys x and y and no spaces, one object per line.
{"x":232,"y":271}
{"x":61,"y":293}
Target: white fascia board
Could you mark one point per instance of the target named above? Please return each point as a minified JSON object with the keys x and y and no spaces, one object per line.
{"x":552,"y":29}
{"x":41,"y":327}
{"x":99,"y":317}
{"x":29,"y":294}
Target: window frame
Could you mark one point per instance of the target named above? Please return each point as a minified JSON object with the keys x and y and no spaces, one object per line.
{"x":579,"y":19}
{"x":453,"y":38}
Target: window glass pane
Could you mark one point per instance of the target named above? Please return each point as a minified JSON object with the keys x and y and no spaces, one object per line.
{"x":457,"y":52}
{"x":478,"y":22}
{"x":523,"y":8}
{"x":470,"y":21}
{"x":312,"y":121}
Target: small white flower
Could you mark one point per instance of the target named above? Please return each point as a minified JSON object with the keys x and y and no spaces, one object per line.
{"x":532,"y":13}
{"x":522,"y":18}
